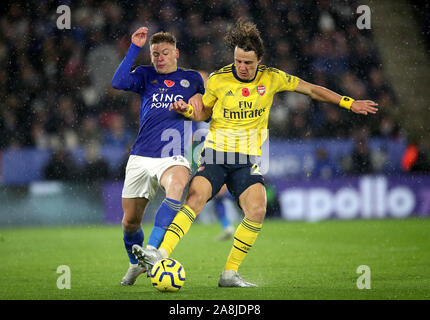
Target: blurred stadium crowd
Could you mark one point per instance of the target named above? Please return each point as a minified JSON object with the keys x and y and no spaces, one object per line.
{"x":55,"y":84}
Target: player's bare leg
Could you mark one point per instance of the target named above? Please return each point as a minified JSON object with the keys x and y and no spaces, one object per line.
{"x":253,"y":204}
{"x":199,"y":193}
{"x":173,"y":180}
{"x":133,"y":213}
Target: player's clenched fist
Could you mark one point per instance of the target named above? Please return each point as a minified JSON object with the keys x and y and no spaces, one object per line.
{"x":139,"y":37}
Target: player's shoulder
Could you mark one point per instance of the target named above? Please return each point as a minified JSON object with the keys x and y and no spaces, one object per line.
{"x":190,"y":72}
{"x":269,"y":70}
{"x":274,"y":73}
{"x":223,"y":71}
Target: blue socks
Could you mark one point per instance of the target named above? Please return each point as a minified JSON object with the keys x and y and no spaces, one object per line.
{"x":220,"y":210}
{"x":131,"y":238}
{"x":164,"y":216}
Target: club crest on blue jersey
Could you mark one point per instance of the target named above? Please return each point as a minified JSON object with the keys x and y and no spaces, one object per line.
{"x":185,"y":83}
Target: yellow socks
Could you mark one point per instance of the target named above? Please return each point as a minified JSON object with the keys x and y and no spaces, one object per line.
{"x":178,"y":228}
{"x":244,"y":237}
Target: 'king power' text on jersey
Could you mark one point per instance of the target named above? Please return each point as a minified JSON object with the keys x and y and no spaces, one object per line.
{"x":161,"y":132}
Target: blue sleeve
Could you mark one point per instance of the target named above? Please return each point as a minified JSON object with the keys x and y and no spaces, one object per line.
{"x":201,"y":86}
{"x":123,"y":79}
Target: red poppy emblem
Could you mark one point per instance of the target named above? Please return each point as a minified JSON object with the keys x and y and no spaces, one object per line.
{"x":261,"y":90}
{"x":201,"y":168}
{"x":169,"y":83}
{"x":245,"y":92}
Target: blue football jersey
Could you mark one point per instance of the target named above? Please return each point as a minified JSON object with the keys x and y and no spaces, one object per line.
{"x":161,"y":132}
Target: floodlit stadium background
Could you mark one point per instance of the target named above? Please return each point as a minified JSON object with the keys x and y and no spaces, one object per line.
{"x":65,"y":132}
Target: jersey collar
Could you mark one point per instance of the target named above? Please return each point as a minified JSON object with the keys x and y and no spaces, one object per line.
{"x":241,"y":80}
{"x":166,"y":74}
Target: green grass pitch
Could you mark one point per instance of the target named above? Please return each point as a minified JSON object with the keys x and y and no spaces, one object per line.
{"x":290,"y":260}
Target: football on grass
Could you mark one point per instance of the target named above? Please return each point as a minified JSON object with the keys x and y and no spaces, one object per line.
{"x":168,"y":275}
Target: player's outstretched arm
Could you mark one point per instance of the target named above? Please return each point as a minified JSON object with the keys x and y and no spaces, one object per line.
{"x":325,"y":95}
{"x":123,"y":79}
{"x":195,"y":113}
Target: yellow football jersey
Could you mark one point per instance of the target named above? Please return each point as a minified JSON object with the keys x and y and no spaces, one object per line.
{"x":241,"y":108}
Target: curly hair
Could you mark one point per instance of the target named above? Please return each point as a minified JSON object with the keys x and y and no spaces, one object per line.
{"x":245,"y":35}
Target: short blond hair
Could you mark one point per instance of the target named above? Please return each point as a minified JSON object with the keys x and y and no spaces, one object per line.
{"x":160,"y":37}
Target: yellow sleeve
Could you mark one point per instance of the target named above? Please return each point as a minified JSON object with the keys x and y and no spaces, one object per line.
{"x":286,"y":82}
{"x":209,"y":98}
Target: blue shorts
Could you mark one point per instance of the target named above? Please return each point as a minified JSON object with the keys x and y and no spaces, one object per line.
{"x":237,"y":171}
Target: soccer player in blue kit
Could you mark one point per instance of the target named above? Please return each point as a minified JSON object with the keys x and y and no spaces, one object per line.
{"x":157,"y":156}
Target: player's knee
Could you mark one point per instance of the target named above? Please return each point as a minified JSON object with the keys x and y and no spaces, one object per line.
{"x":196,"y":201}
{"x":256,"y":212}
{"x":176,"y":188}
{"x":130,"y":223}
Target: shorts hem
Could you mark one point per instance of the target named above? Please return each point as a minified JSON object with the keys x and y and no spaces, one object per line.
{"x":134,"y":196}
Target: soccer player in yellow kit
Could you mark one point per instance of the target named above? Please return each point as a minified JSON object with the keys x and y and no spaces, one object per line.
{"x":238,"y":97}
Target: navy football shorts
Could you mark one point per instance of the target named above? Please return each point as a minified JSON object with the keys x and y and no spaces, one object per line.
{"x":237,"y":171}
